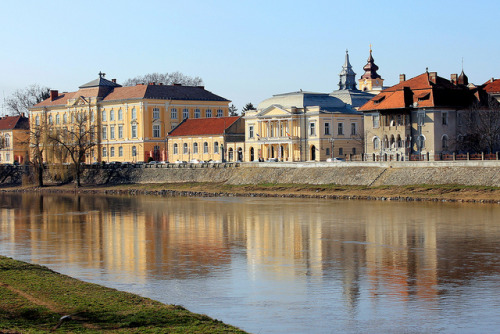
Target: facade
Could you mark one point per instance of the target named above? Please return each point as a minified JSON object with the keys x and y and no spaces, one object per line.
{"x":14,"y":138}
{"x":308,"y":126}
{"x":207,"y":139}
{"x":416,"y":117}
{"x":131,"y":123}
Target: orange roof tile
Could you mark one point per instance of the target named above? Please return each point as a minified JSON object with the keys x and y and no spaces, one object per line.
{"x":14,"y":122}
{"x":204,"y":126}
{"x":492,"y":86}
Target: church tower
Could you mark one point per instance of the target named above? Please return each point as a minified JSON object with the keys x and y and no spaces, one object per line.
{"x":371,"y":81}
{"x":347,"y":75}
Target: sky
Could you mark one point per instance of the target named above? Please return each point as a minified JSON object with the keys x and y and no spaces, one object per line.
{"x":245,"y":51}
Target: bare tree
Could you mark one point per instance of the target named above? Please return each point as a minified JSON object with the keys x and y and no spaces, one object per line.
{"x":480,"y":128}
{"x":165,"y":78}
{"x":37,"y":146}
{"x":22,"y":99}
{"x":75,"y":141}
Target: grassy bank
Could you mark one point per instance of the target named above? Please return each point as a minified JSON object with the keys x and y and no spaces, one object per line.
{"x":33,"y":299}
{"x":459,"y":193}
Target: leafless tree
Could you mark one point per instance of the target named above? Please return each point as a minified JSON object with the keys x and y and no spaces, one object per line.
{"x":479,"y":129}
{"x":37,"y":145}
{"x":75,"y":141}
{"x":22,"y":99}
{"x":165,"y":78}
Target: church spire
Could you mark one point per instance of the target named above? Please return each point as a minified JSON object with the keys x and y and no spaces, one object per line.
{"x":347,"y":75}
{"x":370,"y":68}
{"x":371,"y":81}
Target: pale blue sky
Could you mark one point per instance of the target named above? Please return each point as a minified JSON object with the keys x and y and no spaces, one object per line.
{"x":245,"y":51}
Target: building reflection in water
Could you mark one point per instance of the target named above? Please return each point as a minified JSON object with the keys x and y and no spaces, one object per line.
{"x":403,"y":250}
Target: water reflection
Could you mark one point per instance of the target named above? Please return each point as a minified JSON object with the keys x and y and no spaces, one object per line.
{"x":274,"y":265}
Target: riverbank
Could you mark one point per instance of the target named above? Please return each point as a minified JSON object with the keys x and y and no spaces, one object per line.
{"x":445,"y":193}
{"x":35,"y":299}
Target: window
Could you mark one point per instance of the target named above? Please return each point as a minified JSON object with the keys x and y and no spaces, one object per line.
{"x":353,"y":129}
{"x":103,"y":115}
{"x":208,"y":113}
{"x":173,"y":113}
{"x":134,"y":151}
{"x":376,"y":121}
{"x":376,"y":143}
{"x":112,"y":152}
{"x":104,"y":152}
{"x":120,"y":114}
{"x":72,"y":118}
{"x":216,"y":148}
{"x":156,"y":131}
{"x":176,"y":149}
{"x":65,"y":118}
{"x":327,"y":151}
{"x":37,"y":120}
{"x":341,"y":151}
{"x":111,"y":132}
{"x":444,"y":116}
{"x":197,"y":113}
{"x":340,"y":129}
{"x":120,"y":151}
{"x":120,"y":131}
{"x":134,"y":113}
{"x":111,"y":115}
{"x":327,"y":129}
{"x":421,"y":142}
{"x":250,"y":131}
{"x":220,"y":113}
{"x":156,"y":113}
{"x":133,"y":131}
{"x":92,"y":116}
{"x":50,"y":119}
{"x":185,"y":148}
{"x":421,"y":117}
{"x":7,"y":141}
{"x":354,"y":150}
{"x":445,"y":142}
{"x":104,"y":133}
{"x":205,"y":147}
{"x":185,"y":113}
{"x":195,"y":148}
{"x":58,"y":119}
{"x":312,"y":129}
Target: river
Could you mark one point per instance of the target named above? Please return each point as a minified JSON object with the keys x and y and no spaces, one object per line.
{"x":270,"y":265}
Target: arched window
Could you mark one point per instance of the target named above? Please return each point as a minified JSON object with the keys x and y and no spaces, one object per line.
{"x":120,"y":151}
{"x":205,"y":147}
{"x":103,"y":116}
{"x":176,"y":149}
{"x":120,"y":114}
{"x":421,"y":142}
{"x":376,"y":143}
{"x":195,"y":148}
{"x":399,"y":143}
{"x":7,"y":141}
{"x":185,"y":148}
{"x":111,"y":115}
{"x":104,"y":152}
{"x":65,"y":118}
{"x":37,"y":120}
{"x":230,"y":153}
{"x":393,"y":141}
{"x":58,"y":119}
{"x":444,"y":141}
{"x":134,"y":151}
{"x":216,"y":147}
{"x":386,"y":142}
{"x":134,"y":113}
{"x":50,"y":119}
{"x":112,"y":152}
{"x":252,"y":154}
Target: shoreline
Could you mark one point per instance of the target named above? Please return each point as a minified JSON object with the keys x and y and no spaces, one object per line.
{"x":36,"y":299}
{"x":430,"y":193}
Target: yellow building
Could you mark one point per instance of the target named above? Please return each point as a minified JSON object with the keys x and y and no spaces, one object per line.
{"x":307,"y":126}
{"x":14,"y":137}
{"x":210,"y":139}
{"x":131,"y":123}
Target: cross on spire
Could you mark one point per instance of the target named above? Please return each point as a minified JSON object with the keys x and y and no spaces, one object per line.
{"x":101,"y":74}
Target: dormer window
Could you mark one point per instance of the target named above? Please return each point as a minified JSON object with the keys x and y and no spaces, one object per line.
{"x":423,"y":96}
{"x":378,"y":99}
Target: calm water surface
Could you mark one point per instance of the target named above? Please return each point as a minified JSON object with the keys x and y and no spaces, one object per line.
{"x":276,"y":265}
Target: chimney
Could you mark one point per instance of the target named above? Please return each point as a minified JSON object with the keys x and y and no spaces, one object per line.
{"x":402,"y":77}
{"x":432,"y":77}
{"x":113,"y":80}
{"x":177,"y":84}
{"x":454,"y":79}
{"x":53,"y":94}
{"x":492,"y":79}
{"x":161,"y":84}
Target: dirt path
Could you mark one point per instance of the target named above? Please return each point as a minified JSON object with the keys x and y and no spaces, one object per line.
{"x":52,"y":307}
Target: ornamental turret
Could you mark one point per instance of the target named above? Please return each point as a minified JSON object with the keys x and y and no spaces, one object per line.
{"x":347,"y":75}
{"x":371,"y":80}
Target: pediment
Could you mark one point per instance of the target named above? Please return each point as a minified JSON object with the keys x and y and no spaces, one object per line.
{"x":273,"y":110}
{"x":79,"y":101}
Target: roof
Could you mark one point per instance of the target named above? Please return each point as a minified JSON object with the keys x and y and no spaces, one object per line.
{"x":421,"y":91}
{"x":492,"y":86}
{"x":204,"y":126}
{"x":14,"y":122}
{"x":162,"y":92}
{"x":100,"y":82}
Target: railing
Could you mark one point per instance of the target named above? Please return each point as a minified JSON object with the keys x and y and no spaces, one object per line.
{"x":467,"y":156}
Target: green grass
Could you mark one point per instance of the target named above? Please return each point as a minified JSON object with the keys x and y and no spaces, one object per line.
{"x":33,"y":299}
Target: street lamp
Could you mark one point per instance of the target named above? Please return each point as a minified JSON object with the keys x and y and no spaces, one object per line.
{"x":332,"y":140}
{"x":222,"y":153}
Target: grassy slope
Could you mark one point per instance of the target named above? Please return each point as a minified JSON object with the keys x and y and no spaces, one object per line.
{"x":33,"y":299}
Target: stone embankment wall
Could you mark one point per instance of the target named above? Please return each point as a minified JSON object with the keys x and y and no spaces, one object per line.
{"x":345,"y":174}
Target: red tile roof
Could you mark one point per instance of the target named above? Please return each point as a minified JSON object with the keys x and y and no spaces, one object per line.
{"x":492,"y":86}
{"x":204,"y":126}
{"x":14,"y":122}
{"x":420,"y":91}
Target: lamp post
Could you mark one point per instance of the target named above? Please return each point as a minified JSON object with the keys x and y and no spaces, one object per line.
{"x":332,"y":140}
{"x":222,"y":153}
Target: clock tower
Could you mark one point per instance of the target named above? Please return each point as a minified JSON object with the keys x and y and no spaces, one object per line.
{"x":370,"y":81}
